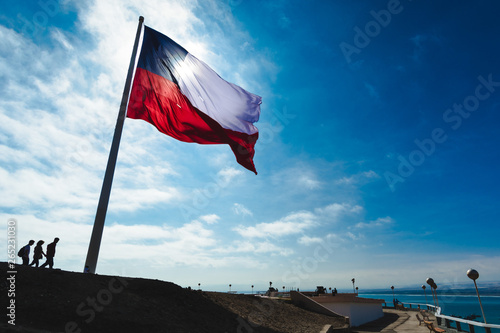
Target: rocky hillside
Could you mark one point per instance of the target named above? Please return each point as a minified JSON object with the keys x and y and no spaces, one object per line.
{"x":61,"y":301}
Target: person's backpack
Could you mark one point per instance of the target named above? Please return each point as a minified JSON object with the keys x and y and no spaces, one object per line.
{"x":21,"y":252}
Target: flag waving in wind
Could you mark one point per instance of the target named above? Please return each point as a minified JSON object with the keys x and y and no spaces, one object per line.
{"x":185,"y":99}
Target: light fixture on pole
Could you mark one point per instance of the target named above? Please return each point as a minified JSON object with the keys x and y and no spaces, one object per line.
{"x":353,"y":290}
{"x":473,"y":275}
{"x":393,"y":298}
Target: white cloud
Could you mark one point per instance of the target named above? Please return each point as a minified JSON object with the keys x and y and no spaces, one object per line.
{"x":210,"y":219}
{"x":335,"y":211}
{"x":298,"y":178}
{"x":299,"y":222}
{"x":422,"y":44}
{"x":381,"y":221}
{"x":240,"y":209}
{"x":264,"y":247}
{"x":308,"y":181}
{"x":227,"y":175}
{"x":358,"y":179}
{"x":58,"y":108}
{"x":189,"y":244}
{"x":127,"y":200}
{"x":352,"y":236}
{"x":61,"y":127}
{"x":57,"y":113}
{"x":306,"y":240}
{"x":370,"y":174}
{"x":28,"y":189}
{"x":60,"y":37}
{"x":293,"y":223}
{"x":372,"y":91}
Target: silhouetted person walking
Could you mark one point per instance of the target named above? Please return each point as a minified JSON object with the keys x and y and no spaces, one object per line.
{"x":38,"y":253}
{"x":51,"y":252}
{"x":25,"y":252}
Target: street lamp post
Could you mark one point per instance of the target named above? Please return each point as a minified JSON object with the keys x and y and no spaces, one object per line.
{"x":473,"y":275}
{"x":423,"y":287}
{"x":393,"y":298}
{"x":436,"y":293}
{"x":430,"y":282}
{"x":353,"y":290}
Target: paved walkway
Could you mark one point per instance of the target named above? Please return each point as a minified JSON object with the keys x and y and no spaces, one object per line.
{"x":394,"y":321}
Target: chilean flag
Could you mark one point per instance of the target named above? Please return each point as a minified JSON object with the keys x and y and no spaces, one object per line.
{"x":184,"y":98}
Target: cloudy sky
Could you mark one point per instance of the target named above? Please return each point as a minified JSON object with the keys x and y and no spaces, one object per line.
{"x":377,"y":158}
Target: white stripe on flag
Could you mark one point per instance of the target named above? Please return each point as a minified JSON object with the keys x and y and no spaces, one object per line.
{"x":231,"y":106}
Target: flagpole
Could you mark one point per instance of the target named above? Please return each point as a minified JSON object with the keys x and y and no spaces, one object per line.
{"x":102,"y":207}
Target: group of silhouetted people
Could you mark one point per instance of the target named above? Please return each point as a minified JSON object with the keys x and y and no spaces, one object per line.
{"x":38,"y":253}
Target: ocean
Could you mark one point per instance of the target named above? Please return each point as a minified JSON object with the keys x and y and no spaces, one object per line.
{"x":452,"y":304}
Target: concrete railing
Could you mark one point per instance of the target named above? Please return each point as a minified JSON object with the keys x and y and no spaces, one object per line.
{"x":414,"y":306}
{"x":459,"y":322}
{"x":448,"y":321}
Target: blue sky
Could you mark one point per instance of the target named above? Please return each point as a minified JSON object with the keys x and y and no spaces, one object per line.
{"x":377,"y":155}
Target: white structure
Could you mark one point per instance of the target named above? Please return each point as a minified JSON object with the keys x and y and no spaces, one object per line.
{"x":358,"y":310}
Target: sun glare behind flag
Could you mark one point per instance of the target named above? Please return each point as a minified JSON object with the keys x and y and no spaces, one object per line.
{"x":185,"y":99}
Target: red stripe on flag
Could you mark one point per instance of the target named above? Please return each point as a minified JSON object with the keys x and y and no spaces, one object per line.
{"x":160,"y":102}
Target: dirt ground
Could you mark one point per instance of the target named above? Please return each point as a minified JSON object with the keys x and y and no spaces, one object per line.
{"x":61,"y":301}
